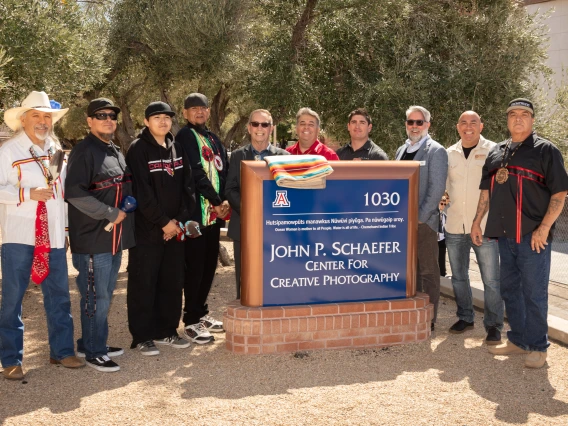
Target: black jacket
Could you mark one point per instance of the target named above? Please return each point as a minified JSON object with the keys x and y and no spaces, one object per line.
{"x":233,"y":188}
{"x":97,"y":169}
{"x":203,"y":186}
{"x":163,"y":185}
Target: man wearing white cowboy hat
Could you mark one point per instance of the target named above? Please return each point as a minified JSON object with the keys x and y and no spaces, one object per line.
{"x":33,"y":218}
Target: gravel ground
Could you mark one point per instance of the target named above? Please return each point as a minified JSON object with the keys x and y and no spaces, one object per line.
{"x":450,"y":380}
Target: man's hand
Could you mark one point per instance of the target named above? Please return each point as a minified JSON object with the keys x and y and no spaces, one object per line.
{"x":170,"y":230}
{"x":222,"y":209}
{"x":41,"y":194}
{"x":120,"y":218}
{"x":476,"y":234}
{"x":539,"y":237}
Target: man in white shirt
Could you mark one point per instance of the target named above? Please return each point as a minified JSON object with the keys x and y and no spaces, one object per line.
{"x":33,"y":218}
{"x":465,"y":163}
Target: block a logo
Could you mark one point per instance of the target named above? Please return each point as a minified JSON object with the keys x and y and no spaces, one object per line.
{"x":281,"y":199}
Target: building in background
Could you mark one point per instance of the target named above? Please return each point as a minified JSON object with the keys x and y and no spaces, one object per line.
{"x":558,"y":44}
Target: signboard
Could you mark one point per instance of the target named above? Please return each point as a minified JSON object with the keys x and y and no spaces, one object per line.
{"x":355,"y":240}
{"x":347,"y":242}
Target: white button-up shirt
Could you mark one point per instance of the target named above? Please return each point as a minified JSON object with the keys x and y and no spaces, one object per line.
{"x":19,"y":173}
{"x":462,"y":184}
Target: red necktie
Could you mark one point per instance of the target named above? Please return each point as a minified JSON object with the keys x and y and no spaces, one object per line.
{"x":40,"y":264}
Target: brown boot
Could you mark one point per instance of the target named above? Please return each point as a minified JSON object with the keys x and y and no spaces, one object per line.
{"x":507,"y":348}
{"x":13,"y":372}
{"x":535,"y":359}
{"x":68,"y":362}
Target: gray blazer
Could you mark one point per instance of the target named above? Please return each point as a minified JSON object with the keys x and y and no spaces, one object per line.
{"x":233,"y":185}
{"x":433,"y":173}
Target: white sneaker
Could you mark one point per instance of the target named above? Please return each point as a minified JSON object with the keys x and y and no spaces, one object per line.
{"x":198,"y":333}
{"x":212,"y":324}
{"x":174,"y":341}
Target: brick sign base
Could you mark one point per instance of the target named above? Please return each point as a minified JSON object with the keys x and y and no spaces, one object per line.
{"x":278,"y":329}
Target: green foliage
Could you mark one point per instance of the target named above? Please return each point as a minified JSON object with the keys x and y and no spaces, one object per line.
{"x":53,"y":47}
{"x":447,"y":55}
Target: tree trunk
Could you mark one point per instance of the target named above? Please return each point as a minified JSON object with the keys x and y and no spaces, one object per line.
{"x":299,"y":34}
{"x":235,"y":135}
{"x":125,"y":132}
{"x":164,"y":97}
{"x":219,"y":110}
{"x":224,"y":257}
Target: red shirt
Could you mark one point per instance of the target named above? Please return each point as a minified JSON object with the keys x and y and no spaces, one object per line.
{"x":317,"y":148}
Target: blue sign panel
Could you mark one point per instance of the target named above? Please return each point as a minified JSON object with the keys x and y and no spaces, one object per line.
{"x":347,"y":242}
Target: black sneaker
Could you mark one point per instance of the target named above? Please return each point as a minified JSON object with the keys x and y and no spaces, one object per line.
{"x":461,"y":326}
{"x":493,"y":336}
{"x":111,"y":352}
{"x":103,"y":363}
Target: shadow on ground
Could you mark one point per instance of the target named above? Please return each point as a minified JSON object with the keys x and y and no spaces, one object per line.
{"x":210,"y":371}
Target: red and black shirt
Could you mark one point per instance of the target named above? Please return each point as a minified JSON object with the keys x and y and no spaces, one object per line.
{"x":536,"y":172}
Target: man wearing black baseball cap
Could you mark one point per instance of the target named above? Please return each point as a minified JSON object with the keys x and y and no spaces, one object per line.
{"x":523,"y":185}
{"x":209,"y":164}
{"x":97,"y":180}
{"x":163,"y":188}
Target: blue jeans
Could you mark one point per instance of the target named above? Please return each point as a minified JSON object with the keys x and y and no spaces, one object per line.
{"x":524,"y":288}
{"x":16,"y":270}
{"x":95,"y":303}
{"x":459,"y":247}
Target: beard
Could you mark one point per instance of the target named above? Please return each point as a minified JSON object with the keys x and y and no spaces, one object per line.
{"x":41,"y":132}
{"x":107,"y":136}
{"x":415,"y":138}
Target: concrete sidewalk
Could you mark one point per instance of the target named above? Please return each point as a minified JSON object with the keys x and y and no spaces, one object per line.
{"x":557,"y":298}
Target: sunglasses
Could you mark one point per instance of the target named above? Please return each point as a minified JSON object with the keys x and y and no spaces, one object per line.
{"x":418,"y":122}
{"x":256,"y":124}
{"x":103,"y":116}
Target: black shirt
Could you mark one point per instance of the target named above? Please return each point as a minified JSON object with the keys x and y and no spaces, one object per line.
{"x":466,"y":151}
{"x":369,"y":151}
{"x":408,"y":156}
{"x":517,"y":206}
{"x":97,"y":169}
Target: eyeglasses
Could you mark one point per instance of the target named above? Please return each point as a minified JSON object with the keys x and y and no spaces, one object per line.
{"x":103,"y":116}
{"x":256,"y":124}
{"x":418,"y":122}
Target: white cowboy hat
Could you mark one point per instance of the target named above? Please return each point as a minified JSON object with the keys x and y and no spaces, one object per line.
{"x":35,"y":100}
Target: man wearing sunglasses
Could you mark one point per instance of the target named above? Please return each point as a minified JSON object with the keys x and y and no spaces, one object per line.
{"x":307,"y":128}
{"x":433,"y":160}
{"x":97,"y":181}
{"x":209,"y":164}
{"x":466,"y":159}
{"x":359,"y":125}
{"x":260,"y":128}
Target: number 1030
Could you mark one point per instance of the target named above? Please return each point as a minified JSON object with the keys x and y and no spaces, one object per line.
{"x":382,"y":199}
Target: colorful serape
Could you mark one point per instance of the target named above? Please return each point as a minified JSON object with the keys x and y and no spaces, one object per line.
{"x":299,"y":171}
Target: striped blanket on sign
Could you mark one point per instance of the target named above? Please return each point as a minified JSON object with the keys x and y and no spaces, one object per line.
{"x":299,"y":171}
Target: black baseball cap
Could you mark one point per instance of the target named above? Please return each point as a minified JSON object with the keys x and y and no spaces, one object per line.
{"x":156,"y":108}
{"x":196,"y":100}
{"x":101,"y":103}
{"x":521,"y":103}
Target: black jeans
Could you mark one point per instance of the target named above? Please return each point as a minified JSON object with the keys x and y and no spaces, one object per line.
{"x":201,"y":255}
{"x":442,"y":257}
{"x":237,"y":254}
{"x":428,"y":280}
{"x":155,"y":285}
